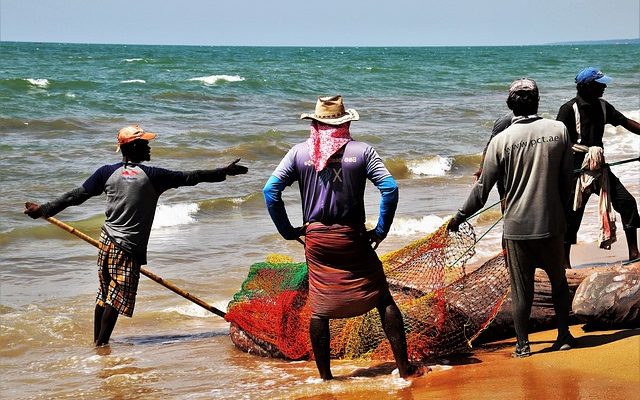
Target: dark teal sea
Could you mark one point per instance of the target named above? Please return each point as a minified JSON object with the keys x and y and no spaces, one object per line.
{"x":427,"y":110}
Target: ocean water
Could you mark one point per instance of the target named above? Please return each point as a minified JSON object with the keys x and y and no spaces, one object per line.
{"x":428,"y":111}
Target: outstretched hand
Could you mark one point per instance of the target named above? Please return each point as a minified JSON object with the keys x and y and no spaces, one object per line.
{"x":33,"y":210}
{"x":235,"y":169}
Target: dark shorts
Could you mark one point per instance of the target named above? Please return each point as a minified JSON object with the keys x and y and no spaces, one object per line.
{"x":119,"y":274}
{"x":346,"y":278}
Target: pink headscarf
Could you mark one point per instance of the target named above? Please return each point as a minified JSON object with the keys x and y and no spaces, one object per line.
{"x":325,"y":141}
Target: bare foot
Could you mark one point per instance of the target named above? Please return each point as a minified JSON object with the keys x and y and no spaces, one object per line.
{"x":415,"y":371}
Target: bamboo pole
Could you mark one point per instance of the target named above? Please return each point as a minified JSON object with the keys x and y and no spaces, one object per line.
{"x":145,"y":272}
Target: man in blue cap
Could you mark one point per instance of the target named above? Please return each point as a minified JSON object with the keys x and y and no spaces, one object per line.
{"x":585,"y":117}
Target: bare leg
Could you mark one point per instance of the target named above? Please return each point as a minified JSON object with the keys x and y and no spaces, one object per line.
{"x":97,"y":322}
{"x":320,"y":343}
{"x":567,"y":256}
{"x":393,"y":326}
{"x":107,"y":323}
{"x":632,"y":243}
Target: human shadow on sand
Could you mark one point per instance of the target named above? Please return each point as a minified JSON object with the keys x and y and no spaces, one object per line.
{"x":387,"y":368}
{"x":588,"y":341}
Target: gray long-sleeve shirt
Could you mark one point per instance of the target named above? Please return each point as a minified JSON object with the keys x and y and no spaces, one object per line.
{"x":533,"y":158}
{"x":132,"y":194}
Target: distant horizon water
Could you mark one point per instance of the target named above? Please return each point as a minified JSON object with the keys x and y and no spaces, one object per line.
{"x":621,"y":41}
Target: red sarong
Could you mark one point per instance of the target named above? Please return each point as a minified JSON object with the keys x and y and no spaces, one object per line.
{"x":346,"y":277}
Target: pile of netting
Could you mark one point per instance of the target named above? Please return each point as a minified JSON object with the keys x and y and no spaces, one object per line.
{"x":445,"y":303}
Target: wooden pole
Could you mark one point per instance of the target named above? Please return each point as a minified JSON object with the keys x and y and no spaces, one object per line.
{"x":145,"y":272}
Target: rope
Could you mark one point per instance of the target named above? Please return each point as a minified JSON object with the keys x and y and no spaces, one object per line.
{"x":485,"y":209}
{"x":575,"y":171}
{"x":479,"y":239}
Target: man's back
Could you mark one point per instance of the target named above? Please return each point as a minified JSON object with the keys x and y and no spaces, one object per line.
{"x":335,"y":194}
{"x":533,"y":157}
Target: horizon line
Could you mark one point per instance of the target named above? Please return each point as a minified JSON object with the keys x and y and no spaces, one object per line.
{"x":563,"y":43}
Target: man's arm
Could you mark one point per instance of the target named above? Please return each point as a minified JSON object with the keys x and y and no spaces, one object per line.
{"x":480,"y":190}
{"x":499,"y":125}
{"x":566,"y":174}
{"x":74,"y":197}
{"x":93,"y":186}
{"x":163,"y":179}
{"x":632,"y":126}
{"x":616,"y":118}
{"x":388,"y":204}
{"x":272,"y":192}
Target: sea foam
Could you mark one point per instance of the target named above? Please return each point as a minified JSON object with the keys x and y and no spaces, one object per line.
{"x":619,"y":143}
{"x":174,"y":215}
{"x":413,"y":226}
{"x":43,"y":83}
{"x":134,"y":81}
{"x":192,"y":310}
{"x":433,"y":166}
{"x":213,"y":79}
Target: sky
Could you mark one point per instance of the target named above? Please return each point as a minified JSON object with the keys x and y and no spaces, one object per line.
{"x":319,"y":23}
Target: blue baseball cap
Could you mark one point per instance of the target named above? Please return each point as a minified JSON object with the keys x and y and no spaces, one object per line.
{"x":591,"y":74}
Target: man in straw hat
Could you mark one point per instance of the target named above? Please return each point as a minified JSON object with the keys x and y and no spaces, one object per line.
{"x":585,"y":117}
{"x":533,"y":158}
{"x":346,"y":278}
{"x":132,"y":191}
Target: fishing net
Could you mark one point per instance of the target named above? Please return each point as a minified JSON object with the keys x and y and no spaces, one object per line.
{"x":444,"y":302}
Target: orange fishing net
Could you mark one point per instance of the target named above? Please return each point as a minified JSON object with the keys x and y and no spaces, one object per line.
{"x":444,"y":306}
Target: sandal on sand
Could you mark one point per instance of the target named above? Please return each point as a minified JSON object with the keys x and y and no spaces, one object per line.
{"x":566,"y":342}
{"x":521,"y":351}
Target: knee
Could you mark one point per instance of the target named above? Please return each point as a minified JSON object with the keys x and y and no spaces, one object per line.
{"x":521,"y":305}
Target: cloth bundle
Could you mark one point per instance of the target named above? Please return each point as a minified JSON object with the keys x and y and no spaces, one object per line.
{"x":594,"y":176}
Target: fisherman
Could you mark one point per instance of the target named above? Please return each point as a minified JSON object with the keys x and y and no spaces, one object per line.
{"x":533,"y":158}
{"x":132,"y":191}
{"x":346,"y":278}
{"x":585,"y":117}
{"x":499,"y":125}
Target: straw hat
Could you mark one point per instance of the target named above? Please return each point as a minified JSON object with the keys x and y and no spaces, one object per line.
{"x":330,"y":110}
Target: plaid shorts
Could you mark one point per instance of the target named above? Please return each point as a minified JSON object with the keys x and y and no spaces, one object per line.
{"x":119,"y":274}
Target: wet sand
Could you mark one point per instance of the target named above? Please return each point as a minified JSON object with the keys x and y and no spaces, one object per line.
{"x":604,"y":364}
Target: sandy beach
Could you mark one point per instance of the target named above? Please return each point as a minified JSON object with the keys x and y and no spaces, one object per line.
{"x":605,"y":364}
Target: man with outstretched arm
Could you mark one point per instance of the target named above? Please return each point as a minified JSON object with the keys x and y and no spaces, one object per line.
{"x":585,"y":117}
{"x":346,"y":278}
{"x":132,"y":191}
{"x":533,"y":159}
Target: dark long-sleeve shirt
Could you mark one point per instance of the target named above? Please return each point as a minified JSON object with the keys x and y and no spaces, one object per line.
{"x":593,"y":117}
{"x":132,"y":195}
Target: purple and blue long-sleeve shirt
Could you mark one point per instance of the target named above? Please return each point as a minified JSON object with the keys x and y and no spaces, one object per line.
{"x":334,"y":195}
